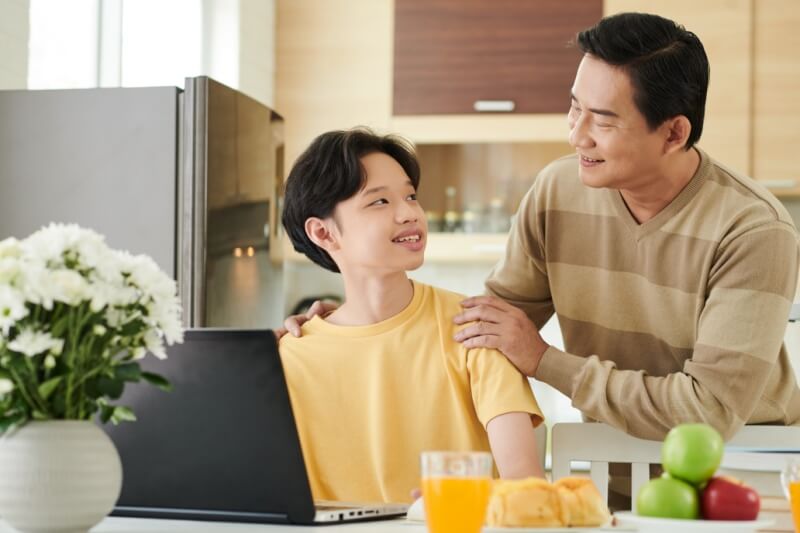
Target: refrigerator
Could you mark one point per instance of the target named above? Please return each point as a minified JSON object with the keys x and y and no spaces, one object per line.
{"x":189,"y":176}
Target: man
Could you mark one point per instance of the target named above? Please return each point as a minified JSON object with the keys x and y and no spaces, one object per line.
{"x":671,"y":275}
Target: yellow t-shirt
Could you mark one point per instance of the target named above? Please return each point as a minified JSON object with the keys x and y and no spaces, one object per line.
{"x":369,"y":399}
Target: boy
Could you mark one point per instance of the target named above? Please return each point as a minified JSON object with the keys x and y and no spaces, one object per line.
{"x":380,"y":379}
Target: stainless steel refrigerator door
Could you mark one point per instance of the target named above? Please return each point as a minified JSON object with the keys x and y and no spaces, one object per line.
{"x":102,"y":158}
{"x":230,"y":160}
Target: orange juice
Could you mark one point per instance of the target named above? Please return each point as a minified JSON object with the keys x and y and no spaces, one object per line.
{"x":794,"y":499}
{"x":455,"y":504}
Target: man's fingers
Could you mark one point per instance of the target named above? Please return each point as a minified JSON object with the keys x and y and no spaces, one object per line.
{"x":293,"y":324}
{"x":481,"y":312}
{"x":315,"y":309}
{"x":476,"y":330}
{"x":280,"y":332}
{"x":416,"y":493}
{"x":483,"y":341}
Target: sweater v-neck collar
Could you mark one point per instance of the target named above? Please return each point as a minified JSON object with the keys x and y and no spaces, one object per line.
{"x":640,"y":231}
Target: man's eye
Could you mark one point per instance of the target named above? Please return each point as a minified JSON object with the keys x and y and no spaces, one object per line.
{"x":412,"y":197}
{"x":382,"y":201}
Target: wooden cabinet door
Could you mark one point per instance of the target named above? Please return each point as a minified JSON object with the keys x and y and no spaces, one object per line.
{"x":450,"y":54}
{"x":776,"y":127}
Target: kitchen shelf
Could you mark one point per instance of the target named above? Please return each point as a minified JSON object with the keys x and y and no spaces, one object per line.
{"x":452,"y":248}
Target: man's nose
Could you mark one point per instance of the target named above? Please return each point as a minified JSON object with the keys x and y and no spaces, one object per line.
{"x":579,"y":136}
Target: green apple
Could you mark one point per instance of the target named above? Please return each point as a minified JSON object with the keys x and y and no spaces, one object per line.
{"x":668,"y":497}
{"x":692,"y":452}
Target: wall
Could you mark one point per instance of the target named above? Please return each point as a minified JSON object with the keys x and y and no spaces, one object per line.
{"x":14,"y":44}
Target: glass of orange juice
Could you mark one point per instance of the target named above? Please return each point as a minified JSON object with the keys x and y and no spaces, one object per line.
{"x":790,"y":478}
{"x":455,"y":490}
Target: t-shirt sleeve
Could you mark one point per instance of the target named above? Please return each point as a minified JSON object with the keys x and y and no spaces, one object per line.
{"x":498,"y":388}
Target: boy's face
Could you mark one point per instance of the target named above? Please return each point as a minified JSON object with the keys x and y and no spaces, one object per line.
{"x":383,"y":227}
{"x":616,"y":147}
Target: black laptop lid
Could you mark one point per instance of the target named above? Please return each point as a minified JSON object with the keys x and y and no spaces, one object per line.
{"x":223,"y":443}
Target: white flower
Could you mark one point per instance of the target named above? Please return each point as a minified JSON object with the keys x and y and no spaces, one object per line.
{"x":9,"y":270}
{"x":6,"y":386}
{"x":153,"y":343}
{"x":12,"y":308}
{"x":67,"y":286}
{"x":10,"y":248}
{"x":30,"y":343}
{"x":139,"y":353}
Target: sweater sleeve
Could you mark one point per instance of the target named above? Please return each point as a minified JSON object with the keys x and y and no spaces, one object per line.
{"x":744,"y":315}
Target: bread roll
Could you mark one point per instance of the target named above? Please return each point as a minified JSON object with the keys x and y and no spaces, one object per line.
{"x":530,"y":502}
{"x":582,"y":504}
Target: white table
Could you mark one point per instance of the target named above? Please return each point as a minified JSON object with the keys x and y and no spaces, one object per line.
{"x":144,"y":525}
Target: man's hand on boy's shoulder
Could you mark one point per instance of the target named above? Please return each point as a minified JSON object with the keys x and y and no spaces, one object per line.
{"x":499,"y":325}
{"x":293,"y":323}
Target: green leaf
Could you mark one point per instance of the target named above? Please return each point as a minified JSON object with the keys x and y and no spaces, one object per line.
{"x":9,"y":423}
{"x":47,"y":388}
{"x":122,"y":414}
{"x":159,"y":381}
{"x":110,"y":387}
{"x":105,"y":412}
{"x":38,"y":415}
{"x":128,"y":372}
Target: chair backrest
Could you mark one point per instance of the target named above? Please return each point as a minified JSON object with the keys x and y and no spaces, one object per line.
{"x":601,"y":444}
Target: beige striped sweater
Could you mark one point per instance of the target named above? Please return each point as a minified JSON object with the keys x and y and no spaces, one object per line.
{"x":678,"y":319}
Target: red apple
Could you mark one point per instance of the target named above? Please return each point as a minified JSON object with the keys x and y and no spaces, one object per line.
{"x":727,"y":498}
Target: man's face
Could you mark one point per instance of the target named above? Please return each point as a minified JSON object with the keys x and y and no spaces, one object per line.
{"x":616,"y":148}
{"x":382,"y":228}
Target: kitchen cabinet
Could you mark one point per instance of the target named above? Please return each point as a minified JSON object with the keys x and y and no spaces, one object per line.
{"x":465,"y":56}
{"x":776,"y":108}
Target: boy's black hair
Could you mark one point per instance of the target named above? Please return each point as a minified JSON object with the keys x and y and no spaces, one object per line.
{"x":667,"y":65}
{"x":329,"y":172}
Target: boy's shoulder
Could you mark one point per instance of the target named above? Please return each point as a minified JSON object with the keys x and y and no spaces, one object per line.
{"x":444,"y":300}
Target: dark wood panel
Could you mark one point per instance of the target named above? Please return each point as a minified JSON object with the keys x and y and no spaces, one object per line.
{"x":450,"y":53}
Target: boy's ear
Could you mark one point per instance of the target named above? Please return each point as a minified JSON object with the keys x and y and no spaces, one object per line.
{"x":319,"y":231}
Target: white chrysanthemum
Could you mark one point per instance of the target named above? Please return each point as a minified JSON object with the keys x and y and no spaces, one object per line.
{"x":6,"y":386}
{"x":12,"y":307}
{"x":34,"y":284}
{"x":154,"y":344}
{"x":30,"y":343}
{"x":10,"y":248}
{"x":9,"y":270}
{"x":166,"y":316}
{"x":67,"y":286}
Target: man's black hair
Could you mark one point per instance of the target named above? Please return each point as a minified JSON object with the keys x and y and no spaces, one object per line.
{"x":667,"y":65}
{"x":329,"y":172}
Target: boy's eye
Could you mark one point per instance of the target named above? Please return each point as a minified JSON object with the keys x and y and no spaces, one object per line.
{"x":382,"y":201}
{"x":412,"y":197}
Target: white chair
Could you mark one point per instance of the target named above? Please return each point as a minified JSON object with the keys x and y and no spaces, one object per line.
{"x":600,"y":444}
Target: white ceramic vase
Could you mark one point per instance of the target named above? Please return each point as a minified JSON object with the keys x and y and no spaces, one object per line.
{"x":58,"y":476}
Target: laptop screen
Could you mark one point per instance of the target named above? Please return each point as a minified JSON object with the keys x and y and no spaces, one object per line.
{"x":223,"y":443}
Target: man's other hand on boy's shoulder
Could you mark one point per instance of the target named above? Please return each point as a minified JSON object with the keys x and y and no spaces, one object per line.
{"x":293,"y":323}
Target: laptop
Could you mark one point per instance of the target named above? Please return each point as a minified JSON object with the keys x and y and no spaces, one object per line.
{"x":222,"y":445}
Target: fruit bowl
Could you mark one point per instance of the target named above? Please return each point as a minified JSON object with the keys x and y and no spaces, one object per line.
{"x":627,"y":519}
